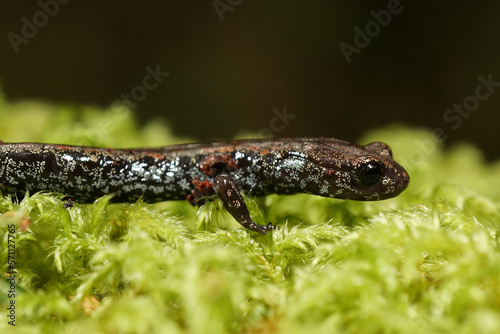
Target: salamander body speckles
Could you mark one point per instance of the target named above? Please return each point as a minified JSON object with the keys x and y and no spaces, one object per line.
{"x":321,"y":166}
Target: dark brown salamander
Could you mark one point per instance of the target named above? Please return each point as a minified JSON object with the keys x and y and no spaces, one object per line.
{"x":321,"y":166}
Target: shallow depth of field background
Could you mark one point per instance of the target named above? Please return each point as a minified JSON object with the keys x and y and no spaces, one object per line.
{"x":230,"y":67}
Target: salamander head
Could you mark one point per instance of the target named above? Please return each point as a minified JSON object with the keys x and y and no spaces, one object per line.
{"x":364,"y":172}
{"x":377,"y":176}
{"x":333,"y":168}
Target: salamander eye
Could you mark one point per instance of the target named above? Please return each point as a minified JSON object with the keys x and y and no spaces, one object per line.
{"x":368,"y":175}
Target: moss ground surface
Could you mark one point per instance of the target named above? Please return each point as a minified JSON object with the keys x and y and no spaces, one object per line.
{"x":427,"y":261}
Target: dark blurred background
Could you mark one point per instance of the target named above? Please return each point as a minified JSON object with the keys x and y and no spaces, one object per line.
{"x":232,"y":62}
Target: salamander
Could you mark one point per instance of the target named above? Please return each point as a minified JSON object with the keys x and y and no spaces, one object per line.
{"x":199,"y":172}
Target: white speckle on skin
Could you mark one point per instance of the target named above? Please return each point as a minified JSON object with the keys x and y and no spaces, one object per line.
{"x":324,"y":188}
{"x":185,"y":184}
{"x":386,"y":180}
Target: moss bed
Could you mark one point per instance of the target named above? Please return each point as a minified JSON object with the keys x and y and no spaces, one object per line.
{"x":427,"y":261}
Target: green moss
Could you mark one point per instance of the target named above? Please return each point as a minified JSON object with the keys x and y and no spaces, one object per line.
{"x":427,"y":261}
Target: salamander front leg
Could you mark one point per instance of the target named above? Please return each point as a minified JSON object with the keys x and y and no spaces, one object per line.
{"x":233,"y":202}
